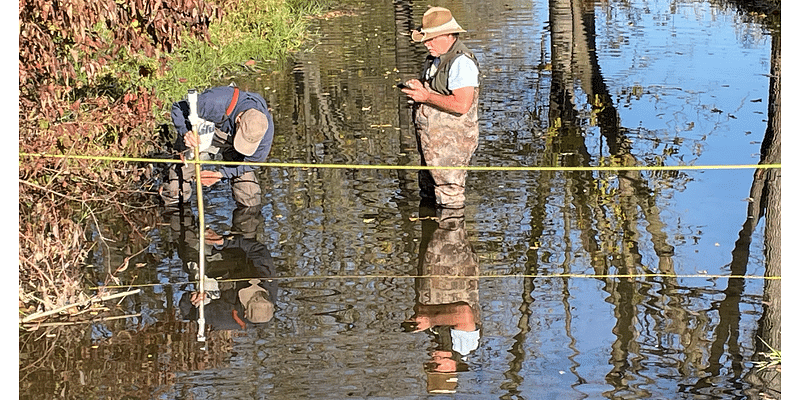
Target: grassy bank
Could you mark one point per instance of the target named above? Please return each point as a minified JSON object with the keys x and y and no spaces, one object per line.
{"x":97,"y":80}
{"x":250,"y":32}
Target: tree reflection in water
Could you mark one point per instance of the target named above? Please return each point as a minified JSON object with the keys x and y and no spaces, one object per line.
{"x":608,"y":337}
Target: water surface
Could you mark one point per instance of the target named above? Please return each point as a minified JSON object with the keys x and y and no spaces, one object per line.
{"x":593,"y":284}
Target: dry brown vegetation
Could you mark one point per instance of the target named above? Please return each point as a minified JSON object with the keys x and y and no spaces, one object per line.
{"x":80,"y":67}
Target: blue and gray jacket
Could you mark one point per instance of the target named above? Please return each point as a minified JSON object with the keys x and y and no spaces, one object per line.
{"x":211,"y":107}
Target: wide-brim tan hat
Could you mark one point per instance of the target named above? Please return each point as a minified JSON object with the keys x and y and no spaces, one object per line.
{"x":436,"y":21}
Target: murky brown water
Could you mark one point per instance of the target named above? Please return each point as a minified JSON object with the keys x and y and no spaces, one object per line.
{"x":680,"y":83}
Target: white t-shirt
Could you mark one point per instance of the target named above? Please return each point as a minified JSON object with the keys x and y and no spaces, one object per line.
{"x":464,"y":342}
{"x":463,"y":73}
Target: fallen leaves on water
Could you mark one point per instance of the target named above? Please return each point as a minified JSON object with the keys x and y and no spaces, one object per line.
{"x":414,"y":218}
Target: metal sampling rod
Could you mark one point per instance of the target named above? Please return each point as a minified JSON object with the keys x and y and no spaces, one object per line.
{"x":201,"y":319}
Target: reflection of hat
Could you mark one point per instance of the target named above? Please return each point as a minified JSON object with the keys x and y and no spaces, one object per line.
{"x":257,"y":307}
{"x":436,"y":21}
{"x":442,"y":382}
{"x":251,"y":126}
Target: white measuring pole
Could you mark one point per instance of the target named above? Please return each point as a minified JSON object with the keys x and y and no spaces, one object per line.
{"x":201,"y":319}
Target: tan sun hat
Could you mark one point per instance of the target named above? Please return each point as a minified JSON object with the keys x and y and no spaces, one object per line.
{"x":437,"y":21}
{"x":251,"y":126}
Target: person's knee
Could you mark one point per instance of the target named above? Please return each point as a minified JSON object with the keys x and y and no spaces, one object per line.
{"x":247,"y":195}
{"x":450,"y":195}
{"x":248,"y":201}
{"x":246,"y":190}
{"x":175,"y":190}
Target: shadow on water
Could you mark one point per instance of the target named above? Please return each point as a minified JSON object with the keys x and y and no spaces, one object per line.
{"x":549,"y":284}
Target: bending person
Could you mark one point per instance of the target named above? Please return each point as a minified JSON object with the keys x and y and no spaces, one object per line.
{"x":232,"y":125}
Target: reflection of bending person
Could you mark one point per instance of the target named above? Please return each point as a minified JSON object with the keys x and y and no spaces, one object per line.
{"x":240,"y":291}
{"x":447,"y":296}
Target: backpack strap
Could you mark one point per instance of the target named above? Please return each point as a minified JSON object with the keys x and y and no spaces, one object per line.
{"x":231,"y":106}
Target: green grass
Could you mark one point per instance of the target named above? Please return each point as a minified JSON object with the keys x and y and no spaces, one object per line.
{"x":250,"y":33}
{"x":773,"y":358}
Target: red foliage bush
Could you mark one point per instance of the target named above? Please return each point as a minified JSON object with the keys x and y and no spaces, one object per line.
{"x":74,"y":101}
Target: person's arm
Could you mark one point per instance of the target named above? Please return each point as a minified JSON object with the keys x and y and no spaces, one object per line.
{"x":256,"y":251}
{"x":459,"y":102}
{"x":186,"y":306}
{"x":211,"y":106}
{"x":458,"y":315}
{"x":463,"y":80}
{"x":180,"y":116}
{"x":180,"y":119}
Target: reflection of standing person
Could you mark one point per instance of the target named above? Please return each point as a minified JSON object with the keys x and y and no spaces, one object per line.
{"x":239,"y":290}
{"x":232,"y":125}
{"x":445,"y":107}
{"x":447,"y":296}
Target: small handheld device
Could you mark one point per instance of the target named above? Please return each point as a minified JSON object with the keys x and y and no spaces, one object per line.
{"x":402,"y":85}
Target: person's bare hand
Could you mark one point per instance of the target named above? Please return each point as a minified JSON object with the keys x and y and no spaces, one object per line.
{"x":414,"y":84}
{"x":416,"y":91}
{"x":197,"y":298}
{"x":423,"y":323}
{"x":208,"y":178}
{"x":213,"y":238}
{"x":443,"y":361}
{"x":191,"y":140}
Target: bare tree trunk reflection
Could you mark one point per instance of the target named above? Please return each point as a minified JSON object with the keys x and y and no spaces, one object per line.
{"x":565,"y":132}
{"x":408,"y":56}
{"x":610,"y":219}
{"x":513,"y":378}
{"x":766,"y":202}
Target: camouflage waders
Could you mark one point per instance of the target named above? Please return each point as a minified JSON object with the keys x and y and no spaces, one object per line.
{"x":445,"y":139}
{"x":451,"y":260}
{"x":180,"y":183}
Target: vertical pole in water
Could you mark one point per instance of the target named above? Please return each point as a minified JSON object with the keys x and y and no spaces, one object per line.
{"x":201,"y":319}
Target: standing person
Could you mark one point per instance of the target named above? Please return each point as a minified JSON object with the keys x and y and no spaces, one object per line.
{"x":232,"y":125}
{"x":445,"y":107}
